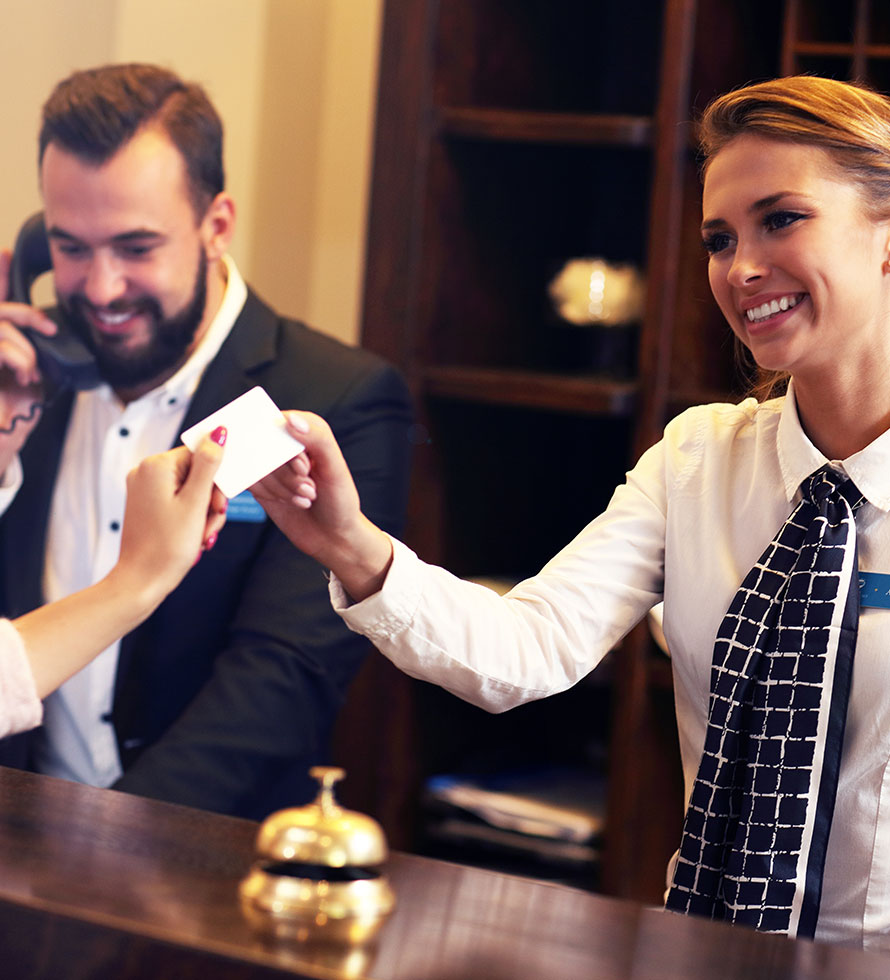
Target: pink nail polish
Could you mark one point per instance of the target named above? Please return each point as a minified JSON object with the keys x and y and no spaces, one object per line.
{"x":211,"y":541}
{"x":219,"y":435}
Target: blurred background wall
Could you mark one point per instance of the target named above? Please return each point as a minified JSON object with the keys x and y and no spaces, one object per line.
{"x":295,"y":83}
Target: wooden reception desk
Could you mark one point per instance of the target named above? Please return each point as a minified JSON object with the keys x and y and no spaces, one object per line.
{"x":98,"y":884}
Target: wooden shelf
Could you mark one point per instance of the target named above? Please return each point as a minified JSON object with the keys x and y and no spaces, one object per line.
{"x":826,"y":49}
{"x":544,"y":127}
{"x":580,"y":394}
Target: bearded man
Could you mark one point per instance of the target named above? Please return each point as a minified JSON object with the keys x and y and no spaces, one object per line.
{"x":226,"y":696}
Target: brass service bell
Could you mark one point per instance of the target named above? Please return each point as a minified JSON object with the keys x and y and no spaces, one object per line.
{"x":318,"y":873}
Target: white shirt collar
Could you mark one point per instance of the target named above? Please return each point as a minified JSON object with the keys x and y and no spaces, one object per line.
{"x":869,"y":468}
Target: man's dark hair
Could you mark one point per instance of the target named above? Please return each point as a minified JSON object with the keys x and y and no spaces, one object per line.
{"x":93,"y":113}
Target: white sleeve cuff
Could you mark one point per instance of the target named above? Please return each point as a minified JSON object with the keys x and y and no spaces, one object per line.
{"x":390,"y":611}
{"x":10,"y":483}
{"x":20,"y":708}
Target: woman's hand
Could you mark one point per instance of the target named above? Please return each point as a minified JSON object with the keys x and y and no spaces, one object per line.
{"x":21,"y":391}
{"x":312,"y":498}
{"x":314,"y":502}
{"x":173,"y":512}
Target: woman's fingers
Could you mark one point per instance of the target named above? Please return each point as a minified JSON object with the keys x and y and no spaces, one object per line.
{"x":202,"y":466}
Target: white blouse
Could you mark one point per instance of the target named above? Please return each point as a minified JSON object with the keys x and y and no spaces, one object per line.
{"x":694,"y":515}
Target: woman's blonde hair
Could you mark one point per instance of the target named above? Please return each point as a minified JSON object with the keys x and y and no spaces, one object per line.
{"x":851,"y":122}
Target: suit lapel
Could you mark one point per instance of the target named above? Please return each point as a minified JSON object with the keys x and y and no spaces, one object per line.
{"x":250,"y":345}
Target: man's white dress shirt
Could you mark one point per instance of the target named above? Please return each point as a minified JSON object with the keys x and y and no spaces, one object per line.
{"x":105,"y":440}
{"x":692,"y":518}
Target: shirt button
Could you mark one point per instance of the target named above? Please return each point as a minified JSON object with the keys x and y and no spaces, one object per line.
{"x":171,"y":401}
{"x":123,"y":431}
{"x":115,"y":525}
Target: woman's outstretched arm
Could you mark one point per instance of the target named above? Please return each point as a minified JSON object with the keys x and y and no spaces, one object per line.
{"x":173,"y":511}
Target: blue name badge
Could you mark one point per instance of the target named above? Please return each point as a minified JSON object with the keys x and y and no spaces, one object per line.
{"x":245,"y":509}
{"x":874,"y":590}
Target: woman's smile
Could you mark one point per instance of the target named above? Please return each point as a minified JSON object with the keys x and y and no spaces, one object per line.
{"x":770,"y":308}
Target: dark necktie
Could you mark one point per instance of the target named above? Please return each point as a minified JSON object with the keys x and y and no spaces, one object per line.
{"x":757,"y":825}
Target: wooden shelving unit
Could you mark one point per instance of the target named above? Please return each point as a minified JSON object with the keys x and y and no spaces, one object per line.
{"x":849,"y":39}
{"x":511,"y":136}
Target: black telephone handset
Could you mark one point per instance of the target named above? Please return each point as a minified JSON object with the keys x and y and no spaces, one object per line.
{"x":63,"y":359}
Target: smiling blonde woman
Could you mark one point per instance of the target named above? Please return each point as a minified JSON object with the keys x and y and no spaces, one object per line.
{"x":763,"y":526}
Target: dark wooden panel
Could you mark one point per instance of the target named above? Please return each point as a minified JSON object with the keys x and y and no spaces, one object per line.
{"x":570,"y":56}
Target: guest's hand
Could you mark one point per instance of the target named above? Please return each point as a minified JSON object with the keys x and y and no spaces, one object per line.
{"x":314,"y":502}
{"x":173,"y":512}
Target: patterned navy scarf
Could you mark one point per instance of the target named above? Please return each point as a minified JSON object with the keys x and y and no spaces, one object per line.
{"x":757,"y":826}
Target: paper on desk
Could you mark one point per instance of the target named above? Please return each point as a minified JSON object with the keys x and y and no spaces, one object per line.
{"x":544,"y":848}
{"x":518,"y":812}
{"x":257,"y":442}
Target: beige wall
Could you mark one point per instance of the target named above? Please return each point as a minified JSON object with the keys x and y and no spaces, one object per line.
{"x":294,"y":81}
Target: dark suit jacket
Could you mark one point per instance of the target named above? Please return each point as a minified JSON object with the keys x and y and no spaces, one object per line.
{"x":227,"y":694}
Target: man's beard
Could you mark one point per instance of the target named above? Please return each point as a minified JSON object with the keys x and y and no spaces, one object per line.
{"x":170,"y":341}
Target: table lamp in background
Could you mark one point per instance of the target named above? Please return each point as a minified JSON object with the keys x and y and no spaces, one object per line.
{"x":598,"y":306}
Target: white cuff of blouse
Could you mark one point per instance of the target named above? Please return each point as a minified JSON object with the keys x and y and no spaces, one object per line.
{"x":10,"y":483}
{"x":20,"y":708}
{"x":390,"y":611}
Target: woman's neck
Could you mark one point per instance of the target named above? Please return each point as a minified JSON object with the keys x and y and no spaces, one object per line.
{"x":840,"y":419}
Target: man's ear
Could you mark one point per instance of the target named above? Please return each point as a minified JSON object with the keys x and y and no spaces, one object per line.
{"x":218,"y":225}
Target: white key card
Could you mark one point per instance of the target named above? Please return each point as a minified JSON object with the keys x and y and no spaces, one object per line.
{"x":257,"y":442}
